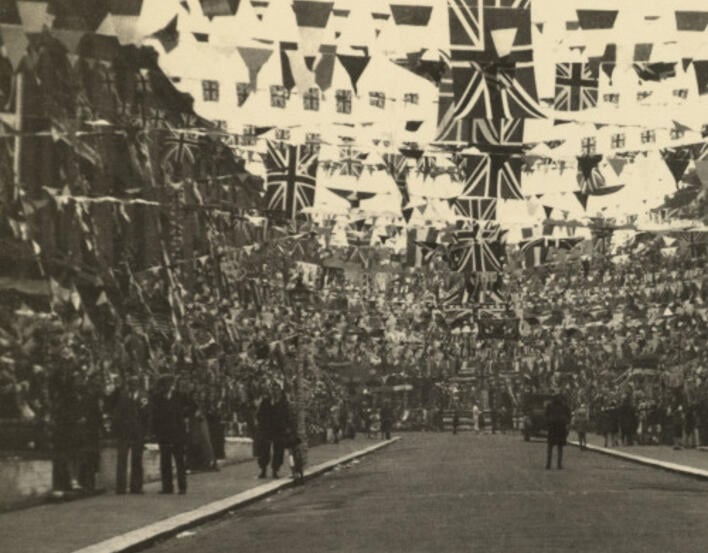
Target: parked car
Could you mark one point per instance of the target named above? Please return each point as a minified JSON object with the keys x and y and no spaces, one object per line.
{"x":534,"y":410}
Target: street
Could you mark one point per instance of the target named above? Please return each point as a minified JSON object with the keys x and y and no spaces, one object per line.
{"x":487,"y":493}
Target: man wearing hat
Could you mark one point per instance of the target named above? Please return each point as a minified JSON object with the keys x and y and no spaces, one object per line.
{"x":169,"y":415}
{"x":129,"y":427}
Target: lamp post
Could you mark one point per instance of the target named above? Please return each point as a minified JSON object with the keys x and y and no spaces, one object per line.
{"x":299,"y":297}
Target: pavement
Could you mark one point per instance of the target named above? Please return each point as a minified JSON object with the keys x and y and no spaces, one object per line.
{"x":469,"y":493}
{"x":689,"y":462}
{"x":110,"y":524}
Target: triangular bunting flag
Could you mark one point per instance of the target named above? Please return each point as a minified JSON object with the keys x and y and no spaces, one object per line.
{"x":355,"y":66}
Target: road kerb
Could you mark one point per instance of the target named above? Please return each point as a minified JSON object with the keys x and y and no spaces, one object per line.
{"x":143,"y":537}
{"x":664,"y":465}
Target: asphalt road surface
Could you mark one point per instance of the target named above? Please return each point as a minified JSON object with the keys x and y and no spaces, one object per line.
{"x":466,"y":493}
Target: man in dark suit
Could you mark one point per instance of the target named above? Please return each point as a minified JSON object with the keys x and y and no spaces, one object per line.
{"x":129,"y":428}
{"x":273,"y":420}
{"x":557,"y":420}
{"x":169,"y":413}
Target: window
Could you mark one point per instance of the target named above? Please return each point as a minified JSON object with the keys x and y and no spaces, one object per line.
{"x":410,"y":98}
{"x":210,"y":90}
{"x":648,"y":137}
{"x":677,"y":133}
{"x":618,"y":140}
{"x":643,"y":94}
{"x":611,"y":98}
{"x":313,"y":139}
{"x":221,"y":124}
{"x":377,"y":99}
{"x":278,"y":96}
{"x":311,"y":99}
{"x":588,"y":145}
{"x":242,"y":92}
{"x":681,"y":93}
{"x":282,"y":134}
{"x":344,"y":101}
{"x":249,"y":135}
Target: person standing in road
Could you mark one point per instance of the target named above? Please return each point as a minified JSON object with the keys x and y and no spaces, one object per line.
{"x":129,"y":425}
{"x":455,"y":420}
{"x":386,"y":420}
{"x":557,"y":419}
{"x":475,"y":417}
{"x":170,"y":412}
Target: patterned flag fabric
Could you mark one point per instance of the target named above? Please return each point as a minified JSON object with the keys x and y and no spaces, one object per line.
{"x":291,"y":177}
{"x":397,"y":167}
{"x":491,"y":176}
{"x":422,"y":246}
{"x":536,"y":251}
{"x":476,"y":250}
{"x":576,"y":86}
{"x":590,"y":180}
{"x":479,"y":209}
{"x":492,"y":60}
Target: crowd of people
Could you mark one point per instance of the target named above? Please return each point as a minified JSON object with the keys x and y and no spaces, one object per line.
{"x":624,"y":341}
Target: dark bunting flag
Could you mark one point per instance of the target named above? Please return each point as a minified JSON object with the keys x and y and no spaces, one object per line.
{"x":590,"y":180}
{"x":576,"y":86}
{"x":397,"y":167}
{"x":489,"y":80}
{"x":291,"y":177}
{"x":677,"y":161}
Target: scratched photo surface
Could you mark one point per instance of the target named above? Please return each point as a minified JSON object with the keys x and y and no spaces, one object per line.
{"x":353,"y":275}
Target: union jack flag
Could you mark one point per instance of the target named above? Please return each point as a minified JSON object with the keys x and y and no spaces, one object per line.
{"x":351,"y":162}
{"x":397,"y":167}
{"x":491,"y":176}
{"x":576,"y":86}
{"x":590,"y":180}
{"x":479,"y":209}
{"x":180,"y":150}
{"x":487,"y":83}
{"x":536,"y":251}
{"x":478,"y":249}
{"x":499,"y":135}
{"x":291,"y":177}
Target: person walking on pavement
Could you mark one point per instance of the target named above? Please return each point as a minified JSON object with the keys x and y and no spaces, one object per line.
{"x":170,"y":412}
{"x":129,"y":417}
{"x":386,"y":420}
{"x":272,"y":419}
{"x":581,"y":421}
{"x":557,"y":419}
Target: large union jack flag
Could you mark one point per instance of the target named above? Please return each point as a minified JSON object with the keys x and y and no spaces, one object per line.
{"x":478,"y":209}
{"x":489,"y":81}
{"x":291,"y":177}
{"x":576,"y":86}
{"x":491,"y":176}
{"x":479,"y":249}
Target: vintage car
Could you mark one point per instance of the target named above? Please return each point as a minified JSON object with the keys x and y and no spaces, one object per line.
{"x":534,"y":412}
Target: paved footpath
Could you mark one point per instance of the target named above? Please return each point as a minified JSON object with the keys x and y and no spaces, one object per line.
{"x":117,"y":522}
{"x":690,"y":462}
